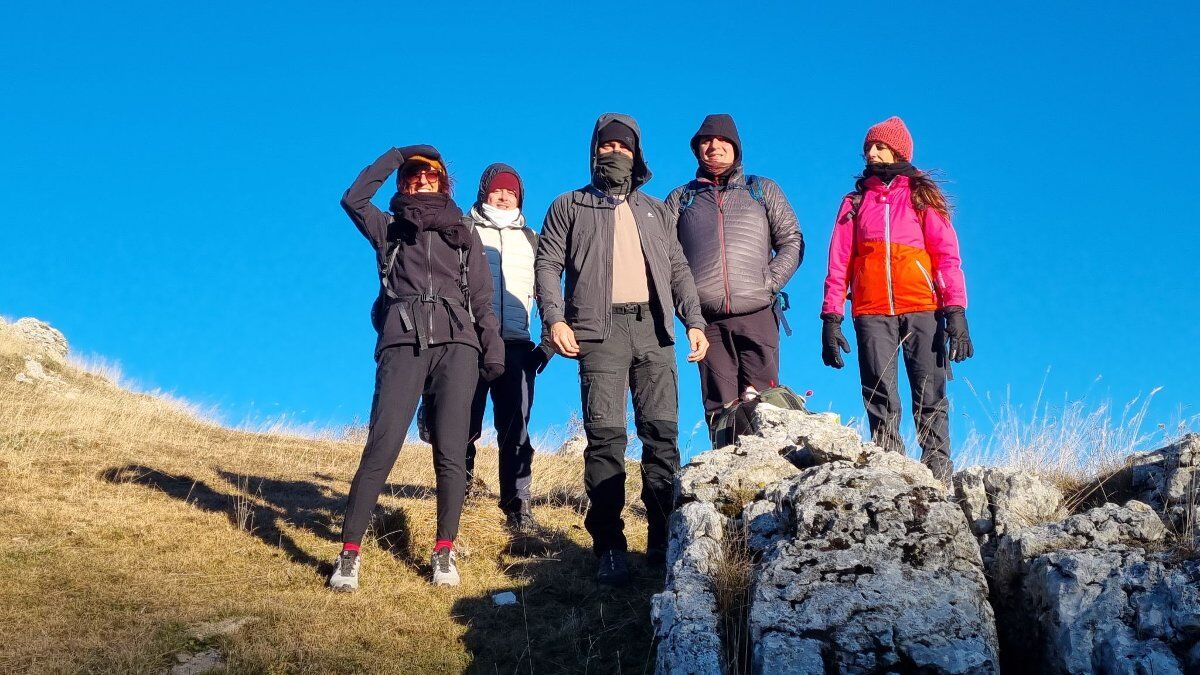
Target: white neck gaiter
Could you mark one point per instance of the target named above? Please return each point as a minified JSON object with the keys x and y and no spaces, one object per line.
{"x":502,"y":218}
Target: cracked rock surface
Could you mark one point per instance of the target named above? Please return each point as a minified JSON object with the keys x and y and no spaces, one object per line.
{"x":861,"y":562}
{"x":872,"y":574}
{"x":1095,"y":593}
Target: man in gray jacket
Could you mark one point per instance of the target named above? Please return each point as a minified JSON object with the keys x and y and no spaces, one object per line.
{"x":625,"y":276}
{"x":742,"y":243}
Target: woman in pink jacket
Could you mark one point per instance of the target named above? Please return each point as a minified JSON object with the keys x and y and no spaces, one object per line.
{"x":895,"y":255}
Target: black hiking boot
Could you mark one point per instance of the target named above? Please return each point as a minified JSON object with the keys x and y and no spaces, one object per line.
{"x":614,"y":569}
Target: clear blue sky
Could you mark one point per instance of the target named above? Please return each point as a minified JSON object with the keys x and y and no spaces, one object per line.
{"x":171,"y":175}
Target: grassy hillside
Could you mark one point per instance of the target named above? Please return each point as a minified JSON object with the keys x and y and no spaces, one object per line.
{"x":128,"y":521}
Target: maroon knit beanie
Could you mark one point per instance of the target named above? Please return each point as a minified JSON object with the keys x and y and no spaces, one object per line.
{"x":507,"y":181}
{"x":892,"y":133}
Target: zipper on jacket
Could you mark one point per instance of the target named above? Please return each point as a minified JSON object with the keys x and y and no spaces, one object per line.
{"x":721,"y":241}
{"x":429,"y":272}
{"x":928,"y":280}
{"x":500,"y":263}
{"x":887,"y":254}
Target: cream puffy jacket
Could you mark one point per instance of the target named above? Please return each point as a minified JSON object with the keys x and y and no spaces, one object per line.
{"x":510,"y":251}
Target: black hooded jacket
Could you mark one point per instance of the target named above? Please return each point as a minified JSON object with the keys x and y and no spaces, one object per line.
{"x":577,"y":238}
{"x":427,"y":304}
{"x":741,"y":252}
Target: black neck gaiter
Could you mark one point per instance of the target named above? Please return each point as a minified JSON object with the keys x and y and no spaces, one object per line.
{"x":613,"y":173}
{"x":886,"y":172}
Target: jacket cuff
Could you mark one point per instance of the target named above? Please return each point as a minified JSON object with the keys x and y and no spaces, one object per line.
{"x":699,"y":324}
{"x":551,"y":317}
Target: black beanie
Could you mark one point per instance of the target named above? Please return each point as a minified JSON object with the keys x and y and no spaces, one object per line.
{"x":616,"y":131}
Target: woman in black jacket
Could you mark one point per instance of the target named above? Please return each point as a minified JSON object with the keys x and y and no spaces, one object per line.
{"x":434,"y":318}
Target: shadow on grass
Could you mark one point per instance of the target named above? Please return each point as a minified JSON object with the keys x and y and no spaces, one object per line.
{"x":564,"y":621}
{"x":261,"y":506}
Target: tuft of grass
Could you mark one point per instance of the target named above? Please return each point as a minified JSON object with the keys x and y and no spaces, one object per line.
{"x":731,"y":580}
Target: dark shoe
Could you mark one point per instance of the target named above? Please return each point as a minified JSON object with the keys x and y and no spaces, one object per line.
{"x":614,"y":569}
{"x":522,"y":524}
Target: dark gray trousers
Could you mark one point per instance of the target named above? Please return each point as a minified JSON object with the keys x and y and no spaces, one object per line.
{"x":743,"y":351}
{"x":637,"y":358}
{"x":512,"y":399}
{"x":445,"y":375}
{"x":920,"y":338}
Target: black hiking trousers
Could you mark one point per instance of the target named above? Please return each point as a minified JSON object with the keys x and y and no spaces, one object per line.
{"x":743,"y":352}
{"x":445,"y":375}
{"x":512,"y":399}
{"x":639,"y":358}
{"x":920,"y":338}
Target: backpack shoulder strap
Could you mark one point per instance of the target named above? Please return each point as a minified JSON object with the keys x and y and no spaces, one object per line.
{"x":688,"y":196}
{"x":856,"y":199}
{"x":391,"y":251}
{"x":754,"y":185}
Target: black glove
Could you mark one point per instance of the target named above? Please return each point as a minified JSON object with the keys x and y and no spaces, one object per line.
{"x":491,"y":371}
{"x":538,"y":357}
{"x":959,"y":337}
{"x":422,"y":150}
{"x":832,"y":340}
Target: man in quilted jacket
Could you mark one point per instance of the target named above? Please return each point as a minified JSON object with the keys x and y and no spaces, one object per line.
{"x":743,"y":243}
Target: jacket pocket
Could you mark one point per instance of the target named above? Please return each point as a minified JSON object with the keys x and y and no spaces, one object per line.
{"x":928,"y":279}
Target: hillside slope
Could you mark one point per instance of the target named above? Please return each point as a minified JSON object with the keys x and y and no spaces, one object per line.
{"x":132,"y":525}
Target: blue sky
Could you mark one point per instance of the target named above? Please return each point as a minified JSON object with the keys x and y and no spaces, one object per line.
{"x":172,"y":174}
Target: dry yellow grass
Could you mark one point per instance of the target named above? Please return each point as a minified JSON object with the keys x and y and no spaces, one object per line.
{"x":126,"y":519}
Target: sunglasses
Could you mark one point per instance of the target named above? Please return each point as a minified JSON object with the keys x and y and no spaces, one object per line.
{"x":430,"y":175}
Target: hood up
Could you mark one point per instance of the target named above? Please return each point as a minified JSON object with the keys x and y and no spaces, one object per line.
{"x":641,"y":172}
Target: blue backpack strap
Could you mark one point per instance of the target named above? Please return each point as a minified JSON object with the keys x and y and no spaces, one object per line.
{"x":754,"y":185}
{"x":688,"y":196}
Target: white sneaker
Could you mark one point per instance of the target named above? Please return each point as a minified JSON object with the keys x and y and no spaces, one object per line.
{"x":445,"y":567}
{"x":345,"y":572}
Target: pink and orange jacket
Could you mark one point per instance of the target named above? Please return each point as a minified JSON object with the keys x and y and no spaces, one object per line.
{"x":889,"y":258}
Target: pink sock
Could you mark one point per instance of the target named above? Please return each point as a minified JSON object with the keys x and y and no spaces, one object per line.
{"x":350,"y":547}
{"x":443,"y":543}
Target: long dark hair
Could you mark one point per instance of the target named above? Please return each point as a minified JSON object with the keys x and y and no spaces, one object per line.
{"x":926,"y":192}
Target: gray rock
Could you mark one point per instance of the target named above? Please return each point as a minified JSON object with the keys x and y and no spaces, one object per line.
{"x":1001,"y":501}
{"x":1134,"y":524}
{"x":1114,"y":610}
{"x":574,"y":445}
{"x":685,"y":615}
{"x":734,"y":474}
{"x":1167,"y":479}
{"x":1092,"y":594}
{"x":871,"y":573}
{"x":44,"y":338}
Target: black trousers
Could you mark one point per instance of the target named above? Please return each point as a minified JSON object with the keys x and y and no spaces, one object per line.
{"x":445,"y":375}
{"x":636,"y":358}
{"x":920,"y":338}
{"x":512,"y":399}
{"x":743,"y":351}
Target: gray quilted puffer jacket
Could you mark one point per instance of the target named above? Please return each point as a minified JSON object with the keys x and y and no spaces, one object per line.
{"x":741,"y":252}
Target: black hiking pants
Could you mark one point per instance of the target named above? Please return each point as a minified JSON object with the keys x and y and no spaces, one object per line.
{"x":445,"y":375}
{"x":743,"y":351}
{"x":512,"y":399}
{"x":635,"y":357}
{"x":920,"y":338}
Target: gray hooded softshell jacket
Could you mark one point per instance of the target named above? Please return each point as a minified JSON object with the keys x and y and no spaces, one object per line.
{"x":577,"y":238}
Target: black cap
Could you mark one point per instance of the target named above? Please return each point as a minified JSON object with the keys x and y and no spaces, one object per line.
{"x":616,"y":131}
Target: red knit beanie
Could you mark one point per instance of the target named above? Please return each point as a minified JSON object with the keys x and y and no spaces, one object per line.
{"x":506,"y":181}
{"x":892,"y":133}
